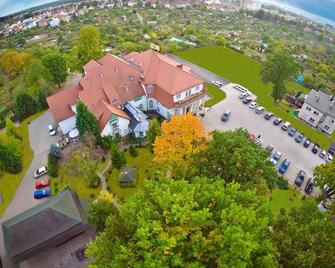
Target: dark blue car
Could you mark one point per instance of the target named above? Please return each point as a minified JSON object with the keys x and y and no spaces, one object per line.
{"x":291,"y":132}
{"x":284,"y":166}
{"x":42,"y":193}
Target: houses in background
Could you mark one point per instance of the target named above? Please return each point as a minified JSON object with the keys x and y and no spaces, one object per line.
{"x":120,"y":91}
{"x":319,"y":111}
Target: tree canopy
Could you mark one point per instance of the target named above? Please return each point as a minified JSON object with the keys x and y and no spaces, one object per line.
{"x":153,"y":132}
{"x":85,"y":120}
{"x":12,"y":61}
{"x":56,"y":65}
{"x":24,"y":105}
{"x":178,"y":223}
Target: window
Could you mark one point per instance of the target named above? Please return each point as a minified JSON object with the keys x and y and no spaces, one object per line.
{"x":141,"y":107}
{"x":326,"y":127}
{"x":114,"y":123}
{"x":176,"y":111}
{"x":138,"y":99}
{"x":332,"y":121}
{"x":311,"y":120}
{"x":141,"y":133}
{"x":188,"y":93}
{"x":178,"y":96}
{"x":151,"y":104}
{"x":316,"y":113}
{"x":149,"y":88}
{"x":308,"y":108}
{"x":114,"y":101}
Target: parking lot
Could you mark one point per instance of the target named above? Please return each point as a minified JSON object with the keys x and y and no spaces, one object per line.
{"x":244,"y":117}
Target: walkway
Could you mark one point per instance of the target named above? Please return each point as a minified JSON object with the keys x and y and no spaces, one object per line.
{"x":102,"y":176}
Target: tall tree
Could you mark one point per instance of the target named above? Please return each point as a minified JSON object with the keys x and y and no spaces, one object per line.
{"x":36,"y":74}
{"x":13,"y":61}
{"x":178,"y":223}
{"x":56,"y":66}
{"x":153,"y":132}
{"x":231,"y":156}
{"x":277,"y":69}
{"x":86,"y":121}
{"x":9,"y":159}
{"x":24,"y":105}
{"x":118,"y":158}
{"x":181,"y":137}
{"x":325,"y":175}
{"x":89,"y":45}
{"x":305,"y":237}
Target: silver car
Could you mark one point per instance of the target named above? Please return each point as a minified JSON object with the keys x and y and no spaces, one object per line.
{"x":40,"y":172}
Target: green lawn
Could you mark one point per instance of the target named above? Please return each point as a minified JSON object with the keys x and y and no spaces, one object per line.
{"x":10,"y":182}
{"x":284,"y":199}
{"x":216,"y":94}
{"x":145,"y":167}
{"x":245,"y":71}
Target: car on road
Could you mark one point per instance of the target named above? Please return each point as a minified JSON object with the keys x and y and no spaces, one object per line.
{"x":307,"y":143}
{"x":332,"y":150}
{"x":259,"y":110}
{"x":244,"y":94}
{"x":299,"y":180}
{"x":52,"y":130}
{"x":329,"y":158}
{"x":268,"y":115}
{"x":299,"y":138}
{"x":284,"y":166}
{"x":247,"y":100}
{"x":309,"y":186}
{"x":291,"y":131}
{"x":38,"y":194}
{"x":217,"y":83}
{"x":315,"y":148}
{"x":277,"y":121}
{"x":259,"y":142}
{"x":322,"y":154}
{"x":239,"y":88}
{"x":39,"y":184}
{"x":275,"y":158}
{"x":40,"y":172}
{"x":253,"y":105}
{"x":269,"y":148}
{"x":225,"y":115}
{"x":286,"y":126}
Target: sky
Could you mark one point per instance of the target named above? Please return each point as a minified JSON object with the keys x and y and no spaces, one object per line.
{"x":12,"y":6}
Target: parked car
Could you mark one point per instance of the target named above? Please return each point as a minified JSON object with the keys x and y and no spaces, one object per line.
{"x":253,"y":105}
{"x":217,"y":83}
{"x":309,"y":186}
{"x":268,"y":115}
{"x":299,"y":138}
{"x":239,"y":88}
{"x":275,"y":158}
{"x":322,"y":154}
{"x":226,"y":115}
{"x":259,"y":110}
{"x":247,"y":100}
{"x":286,"y":126}
{"x":40,"y":172}
{"x":332,"y":150}
{"x":39,"y":184}
{"x":52,"y":130}
{"x":299,"y":180}
{"x":269,"y":148}
{"x":277,"y":121}
{"x":307,"y":143}
{"x":284,"y":166}
{"x":244,"y":94}
{"x":291,"y":131}
{"x":329,"y":158}
{"x":315,"y":148}
{"x":38,"y":194}
{"x":259,"y":142}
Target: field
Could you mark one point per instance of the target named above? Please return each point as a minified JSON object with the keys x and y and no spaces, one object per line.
{"x":286,"y":199}
{"x":216,"y":95}
{"x":240,"y":69}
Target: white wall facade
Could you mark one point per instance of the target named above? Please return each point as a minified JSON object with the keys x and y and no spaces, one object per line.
{"x":68,"y":124}
{"x":140,"y":103}
{"x":310,"y":115}
{"x":122,"y":128}
{"x":152,"y":104}
{"x":328,"y":125}
{"x":163,"y":111}
{"x":189,"y":92}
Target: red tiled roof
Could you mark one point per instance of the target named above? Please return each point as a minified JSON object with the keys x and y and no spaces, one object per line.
{"x":107,"y":111}
{"x":61,"y":102}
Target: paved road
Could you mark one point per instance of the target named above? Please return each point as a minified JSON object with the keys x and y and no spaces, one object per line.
{"x":40,"y":141}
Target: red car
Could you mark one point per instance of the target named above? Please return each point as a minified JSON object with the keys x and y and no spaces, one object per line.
{"x":39,"y":184}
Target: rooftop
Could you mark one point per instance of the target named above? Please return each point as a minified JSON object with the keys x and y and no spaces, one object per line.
{"x":322,"y":101}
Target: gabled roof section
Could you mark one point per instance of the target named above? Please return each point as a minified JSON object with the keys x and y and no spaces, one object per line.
{"x":164,"y":72}
{"x":107,"y":111}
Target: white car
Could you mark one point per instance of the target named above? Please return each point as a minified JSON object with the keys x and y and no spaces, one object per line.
{"x":52,"y":130}
{"x":243,"y":95}
{"x":275,"y":158}
{"x":259,"y":142}
{"x":239,"y":88}
{"x":329,"y":158}
{"x":40,"y":172}
{"x":253,"y":105}
{"x":322,"y":154}
{"x":217,"y":83}
{"x":259,"y":110}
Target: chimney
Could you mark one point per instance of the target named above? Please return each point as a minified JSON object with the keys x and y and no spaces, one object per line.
{"x":116,"y":69}
{"x":180,"y":66}
{"x":142,"y":78}
{"x":126,"y":88}
{"x":332,"y":104}
{"x":317,"y":97}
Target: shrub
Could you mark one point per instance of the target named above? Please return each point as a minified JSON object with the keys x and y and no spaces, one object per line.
{"x":55,"y":151}
{"x":118,"y":158}
{"x":133,"y":151}
{"x":9,"y":159}
{"x":93,"y":182}
{"x":53,"y":166}
{"x":103,"y":159}
{"x":282,"y":183}
{"x":92,"y":196}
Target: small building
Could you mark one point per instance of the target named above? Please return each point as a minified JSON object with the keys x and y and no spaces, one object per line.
{"x":44,"y":226}
{"x":128,"y":177}
{"x":42,"y":23}
{"x":54,"y":22}
{"x":319,"y":111}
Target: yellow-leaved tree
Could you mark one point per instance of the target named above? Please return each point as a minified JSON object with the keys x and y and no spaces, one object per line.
{"x":181,"y":137}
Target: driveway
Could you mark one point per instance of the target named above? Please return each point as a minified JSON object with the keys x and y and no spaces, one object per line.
{"x":244,"y":117}
{"x":40,"y":141}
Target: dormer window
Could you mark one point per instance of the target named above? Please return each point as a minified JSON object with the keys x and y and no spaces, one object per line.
{"x":131,"y":78}
{"x":114,"y":101}
{"x":101,"y":74}
{"x":116,"y":69}
{"x":149,"y":88}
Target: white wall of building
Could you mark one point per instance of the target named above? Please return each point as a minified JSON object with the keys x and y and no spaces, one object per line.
{"x":163,"y":111}
{"x":122,"y":128}
{"x":68,"y":124}
{"x":181,"y":96}
{"x":310,"y":115}
{"x":140,"y":102}
{"x":328,"y":124}
{"x":153,"y":102}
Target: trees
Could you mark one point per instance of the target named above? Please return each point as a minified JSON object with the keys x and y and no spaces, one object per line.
{"x":13,"y":61}
{"x":9,"y":159}
{"x":56,"y":66}
{"x":118,"y":158}
{"x":305,"y":237}
{"x":55,"y":151}
{"x":154,"y":131}
{"x":88,"y":46}
{"x":325,"y":175}
{"x":42,"y":100}
{"x":36,"y":74}
{"x":53,"y":165}
{"x":183,"y":136}
{"x":24,"y":105}
{"x":86,"y":121}
{"x":178,"y":223}
{"x":278,"y":69}
{"x":231,"y":156}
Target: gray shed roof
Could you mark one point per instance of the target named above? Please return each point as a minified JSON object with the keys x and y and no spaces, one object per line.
{"x":320,"y":100}
{"x":129,"y":175}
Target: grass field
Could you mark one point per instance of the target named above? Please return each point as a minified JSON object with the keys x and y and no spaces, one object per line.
{"x":10,"y":182}
{"x":245,"y":71}
{"x":215,"y":93}
{"x":286,"y":199}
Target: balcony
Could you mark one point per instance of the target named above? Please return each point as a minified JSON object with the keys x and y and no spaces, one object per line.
{"x":191,"y":98}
